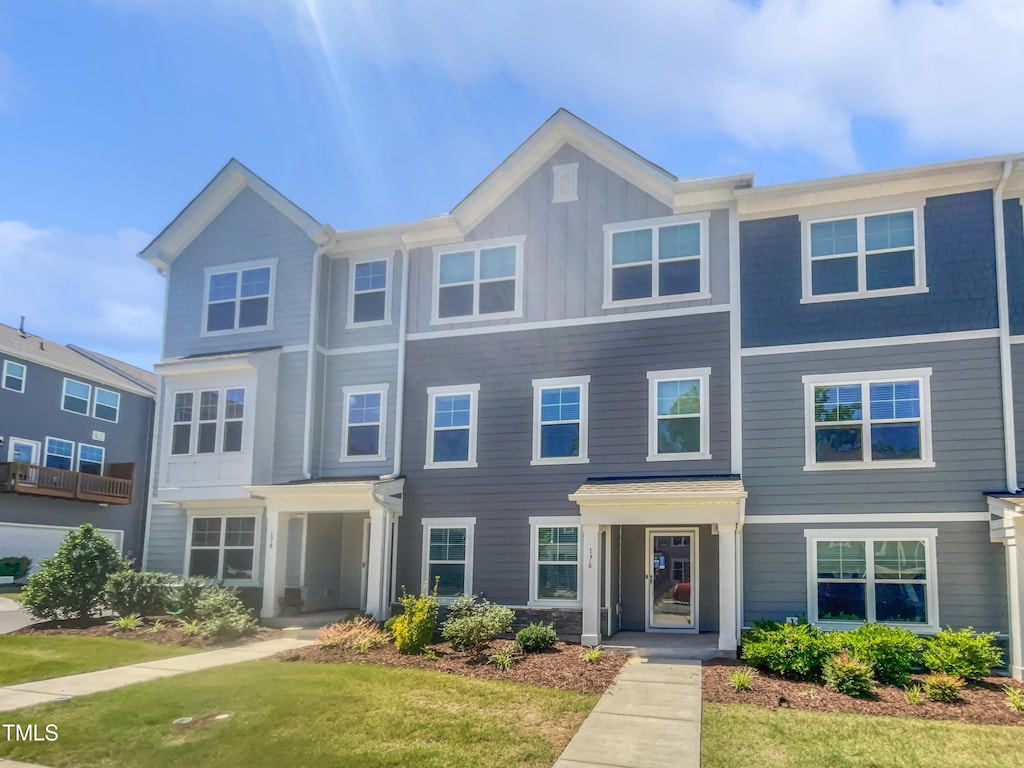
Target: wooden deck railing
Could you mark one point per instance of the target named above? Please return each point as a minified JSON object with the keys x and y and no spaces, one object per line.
{"x":113,"y":488}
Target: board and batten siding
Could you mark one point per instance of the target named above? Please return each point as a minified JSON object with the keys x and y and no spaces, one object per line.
{"x":563,"y":253}
{"x":967,"y":433}
{"x":504,"y":491}
{"x":248,"y":229}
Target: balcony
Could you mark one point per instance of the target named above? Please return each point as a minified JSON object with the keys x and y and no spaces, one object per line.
{"x":113,"y":488}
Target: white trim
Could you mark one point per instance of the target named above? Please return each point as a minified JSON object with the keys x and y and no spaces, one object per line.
{"x":653,"y":379}
{"x":382,"y":431}
{"x":78,"y":456}
{"x":583,"y":384}
{"x":46,"y":451}
{"x":257,"y":520}
{"x":367,"y":348}
{"x":735,"y":344}
{"x":877,"y":517}
{"x":350,"y":322}
{"x":248,"y":416}
{"x":692,"y":626}
{"x":473,"y":390}
{"x":536,"y":523}
{"x":238,"y":268}
{"x":429,"y":523}
{"x":573,"y":322}
{"x":864,"y":379}
{"x":887,"y":341}
{"x":34,"y":444}
{"x":64,"y":395}
{"x":569,"y":174}
{"x":6,"y":373}
{"x":96,"y":401}
{"x":702,"y":219}
{"x":926,"y":535}
{"x":475,"y":247}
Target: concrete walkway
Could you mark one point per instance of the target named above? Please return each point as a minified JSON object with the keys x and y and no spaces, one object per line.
{"x":649,"y":718}
{"x":12,"y":616}
{"x":60,"y":688}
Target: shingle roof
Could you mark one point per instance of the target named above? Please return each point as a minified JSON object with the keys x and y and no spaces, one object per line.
{"x":726,"y":485}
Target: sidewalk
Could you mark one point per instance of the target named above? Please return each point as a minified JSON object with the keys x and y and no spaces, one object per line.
{"x":59,"y":688}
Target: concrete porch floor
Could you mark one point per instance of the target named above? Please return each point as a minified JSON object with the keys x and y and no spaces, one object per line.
{"x":667,"y":645}
{"x":313,"y":620}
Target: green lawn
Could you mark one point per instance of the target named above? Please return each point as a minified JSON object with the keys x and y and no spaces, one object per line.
{"x":323,"y":715}
{"x":38,"y":657}
{"x":741,"y":736}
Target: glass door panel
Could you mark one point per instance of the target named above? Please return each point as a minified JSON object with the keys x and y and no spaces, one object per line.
{"x":671,"y":580}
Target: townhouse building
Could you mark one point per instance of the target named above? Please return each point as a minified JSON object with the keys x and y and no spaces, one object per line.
{"x":607,"y":396}
{"x":75,"y":437}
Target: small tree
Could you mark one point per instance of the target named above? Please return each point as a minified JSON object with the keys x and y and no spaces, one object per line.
{"x":70,"y":584}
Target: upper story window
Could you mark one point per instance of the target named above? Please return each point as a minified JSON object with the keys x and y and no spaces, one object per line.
{"x":59,"y":453}
{"x":76,"y":397}
{"x":451,"y":431}
{"x":880,"y":419}
{"x":106,"y":405}
{"x":90,"y":459}
{"x":363,"y":422}
{"x":238,"y":298}
{"x":560,"y":420}
{"x":13,"y":376}
{"x":210,"y":421}
{"x":656,"y":261}
{"x":880,"y":254}
{"x":678,"y":415}
{"x":368,"y":301}
{"x":479,"y":280}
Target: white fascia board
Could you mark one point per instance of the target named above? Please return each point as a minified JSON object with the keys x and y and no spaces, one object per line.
{"x":694,"y":194}
{"x":438,"y":230}
{"x":350,"y":496}
{"x":238,"y":361}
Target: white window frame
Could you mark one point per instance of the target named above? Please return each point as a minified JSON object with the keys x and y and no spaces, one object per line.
{"x":239,"y":268}
{"x":920,"y":273}
{"x":254,"y":581}
{"x":64,"y":395}
{"x":386,"y":320}
{"x":429,"y":523}
{"x":539,"y":385}
{"x":865,"y":379}
{"x":78,"y":456}
{"x":46,"y":452}
{"x":95,"y":401}
{"x":869,"y":536}
{"x":365,"y":389}
{"x":217,"y":420}
{"x":475,"y":247}
{"x":33,"y":444}
{"x":473,"y":390}
{"x":654,"y":225}
{"x":193,"y":440}
{"x":565,"y":183}
{"x":653,"y":378}
{"x":222,"y":415}
{"x":536,"y":523}
{"x":191,"y":423}
{"x":23,"y":377}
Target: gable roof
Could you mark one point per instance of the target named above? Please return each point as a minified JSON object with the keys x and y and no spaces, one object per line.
{"x":208,"y":204}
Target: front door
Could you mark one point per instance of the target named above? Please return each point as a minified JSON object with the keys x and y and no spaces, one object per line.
{"x":671,"y":580}
{"x":24,"y":451}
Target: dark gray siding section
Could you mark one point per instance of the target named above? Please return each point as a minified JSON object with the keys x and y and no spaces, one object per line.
{"x":966,"y":433}
{"x":504,"y":490}
{"x":971,"y":572}
{"x":1013,"y":227}
{"x":961,"y":278}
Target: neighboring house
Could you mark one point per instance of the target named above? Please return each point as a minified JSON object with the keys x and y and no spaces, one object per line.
{"x":75,"y":436}
{"x":606,"y":396}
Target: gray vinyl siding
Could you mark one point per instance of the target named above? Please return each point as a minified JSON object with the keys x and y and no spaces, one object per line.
{"x":971,"y":572}
{"x":966,"y":433}
{"x":248,"y":229}
{"x":168,"y":529}
{"x":337,"y":333}
{"x":1017,"y":366}
{"x":564,"y":249}
{"x":505,"y":490}
{"x":291,"y":417}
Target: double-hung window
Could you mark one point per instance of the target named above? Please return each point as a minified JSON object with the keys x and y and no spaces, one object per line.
{"x":555,"y":561}
{"x":448,"y":555}
{"x":451,"y":429}
{"x":678,"y":415}
{"x":76,"y":396}
{"x":207,"y":422}
{"x":657,"y":260}
{"x":560,"y":420}
{"x":368,"y":301}
{"x":234,"y":418}
{"x":866,"y":255}
{"x":59,"y":453}
{"x":223,"y":548}
{"x":238,"y":298}
{"x":13,"y":376}
{"x":363,"y":422}
{"x":872,"y":575}
{"x":880,"y":419}
{"x":90,"y":459}
{"x":106,"y":405}
{"x":479,"y":280}
{"x":181,"y":430}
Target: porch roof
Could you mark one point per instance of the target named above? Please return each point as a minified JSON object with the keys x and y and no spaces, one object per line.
{"x":332,"y":495}
{"x":661,"y":500}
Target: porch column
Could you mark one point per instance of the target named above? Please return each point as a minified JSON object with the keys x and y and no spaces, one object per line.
{"x":275,"y":554}
{"x":591,"y":587}
{"x":377,"y":566}
{"x":1014,"y":545}
{"x":727,"y":587}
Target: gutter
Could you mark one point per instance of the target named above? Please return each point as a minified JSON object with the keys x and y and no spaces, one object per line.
{"x":1005,"y":363}
{"x":307,"y":447}
{"x":403,"y":333}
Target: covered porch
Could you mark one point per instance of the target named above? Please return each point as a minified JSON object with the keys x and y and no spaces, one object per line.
{"x":1007,"y":528}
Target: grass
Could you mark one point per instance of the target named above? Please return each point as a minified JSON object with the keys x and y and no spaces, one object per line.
{"x":741,"y":736}
{"x":12,"y":592}
{"x":38,"y":657}
{"x":324,"y":715}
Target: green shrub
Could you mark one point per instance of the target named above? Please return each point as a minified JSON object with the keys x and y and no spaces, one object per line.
{"x":389,"y":625}
{"x":126,"y":623}
{"x":17,"y":567}
{"x":413,"y":629}
{"x":962,"y":654}
{"x":506,"y":657}
{"x":130,"y":592}
{"x":70,"y":584}
{"x":1014,"y":698}
{"x":847,"y":674}
{"x":190,"y":627}
{"x":914,"y":694}
{"x":537,"y":637}
{"x":943,"y":688}
{"x":222,"y":615}
{"x":590,"y":655}
{"x":743,"y":679}
{"x":472,"y":625}
{"x":795,"y":651}
{"x":184,"y":597}
{"x":891,"y":651}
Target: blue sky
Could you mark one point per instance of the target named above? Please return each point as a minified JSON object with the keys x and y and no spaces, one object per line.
{"x":115,"y":113}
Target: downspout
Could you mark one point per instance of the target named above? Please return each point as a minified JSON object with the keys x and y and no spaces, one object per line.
{"x":400,"y":381}
{"x":1005,"y":362}
{"x":307,"y":442}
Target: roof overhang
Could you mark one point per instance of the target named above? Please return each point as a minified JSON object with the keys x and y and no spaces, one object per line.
{"x":680,"y":501}
{"x":332,"y":496}
{"x":232,"y":361}
{"x":1007,"y":523}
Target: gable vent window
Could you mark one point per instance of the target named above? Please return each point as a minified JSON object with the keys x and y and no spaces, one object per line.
{"x":565,"y":178}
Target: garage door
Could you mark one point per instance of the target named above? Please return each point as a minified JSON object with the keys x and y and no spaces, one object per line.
{"x":41,"y":541}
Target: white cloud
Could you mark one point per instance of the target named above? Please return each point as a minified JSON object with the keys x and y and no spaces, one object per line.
{"x":89,"y":290}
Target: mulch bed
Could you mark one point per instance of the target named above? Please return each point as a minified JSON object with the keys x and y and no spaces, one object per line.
{"x":557,"y":667}
{"x":982,"y":702}
{"x":170,"y":633}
